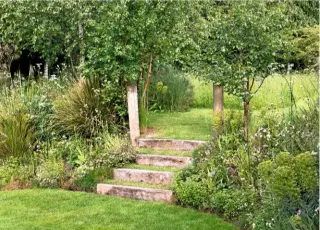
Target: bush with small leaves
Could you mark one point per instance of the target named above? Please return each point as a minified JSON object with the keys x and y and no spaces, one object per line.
{"x":50,"y":173}
{"x":234,"y":202}
{"x":113,"y":151}
{"x":190,"y":190}
{"x":306,"y":169}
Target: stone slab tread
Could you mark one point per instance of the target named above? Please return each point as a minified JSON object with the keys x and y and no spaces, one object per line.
{"x":163,"y":160}
{"x":144,"y":176}
{"x":138,"y":193}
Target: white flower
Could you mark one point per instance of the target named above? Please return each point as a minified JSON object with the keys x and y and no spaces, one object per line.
{"x":268,"y":224}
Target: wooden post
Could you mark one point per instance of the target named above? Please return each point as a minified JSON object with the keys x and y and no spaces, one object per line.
{"x":133,"y":111}
{"x":217,"y":110}
{"x":217,"y":98}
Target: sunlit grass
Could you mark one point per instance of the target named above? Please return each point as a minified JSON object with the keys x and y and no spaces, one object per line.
{"x":58,"y":209}
{"x":275,"y":90}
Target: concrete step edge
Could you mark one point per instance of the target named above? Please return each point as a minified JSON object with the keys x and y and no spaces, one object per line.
{"x":138,"y":193}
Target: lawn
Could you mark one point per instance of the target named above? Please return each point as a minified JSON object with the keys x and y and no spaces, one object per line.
{"x":58,"y":209}
{"x":275,"y":90}
{"x":196,"y":124}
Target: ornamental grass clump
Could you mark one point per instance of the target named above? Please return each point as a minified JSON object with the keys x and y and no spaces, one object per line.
{"x":17,"y":137}
{"x":81,"y":111}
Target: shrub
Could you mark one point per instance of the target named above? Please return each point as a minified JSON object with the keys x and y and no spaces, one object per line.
{"x":12,"y":170}
{"x":89,"y":181}
{"x":234,"y":202}
{"x":169,"y":90}
{"x":82,"y":110}
{"x":305,"y":48}
{"x":50,"y":172}
{"x":275,"y":213}
{"x":305,"y":167}
{"x":114,"y":151}
{"x":300,"y":133}
{"x":38,"y":101}
{"x":190,"y":189}
{"x":290,"y":176}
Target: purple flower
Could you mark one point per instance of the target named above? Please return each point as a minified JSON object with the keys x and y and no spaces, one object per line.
{"x":299,"y":212}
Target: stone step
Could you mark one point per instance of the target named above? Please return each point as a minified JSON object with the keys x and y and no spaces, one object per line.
{"x":144,"y":176}
{"x":136,"y":192}
{"x":160,"y":160}
{"x":180,"y":145}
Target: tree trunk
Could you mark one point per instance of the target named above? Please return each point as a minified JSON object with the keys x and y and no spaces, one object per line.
{"x":46,"y":70}
{"x":81,"y":45}
{"x":246,"y":119}
{"x":146,"y":86}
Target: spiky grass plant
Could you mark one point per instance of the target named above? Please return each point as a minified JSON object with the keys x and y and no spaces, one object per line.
{"x":81,"y":111}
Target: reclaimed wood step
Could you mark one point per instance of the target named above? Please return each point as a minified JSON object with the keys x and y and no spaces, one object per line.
{"x":144,"y":176}
{"x":179,"y":145}
{"x":160,"y":160}
{"x":138,"y":193}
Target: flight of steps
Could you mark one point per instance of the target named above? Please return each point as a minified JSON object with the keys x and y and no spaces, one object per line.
{"x":152,"y":175}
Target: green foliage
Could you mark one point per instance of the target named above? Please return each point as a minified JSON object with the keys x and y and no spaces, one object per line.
{"x":299,"y":133}
{"x":169,"y":90}
{"x":287,"y":213}
{"x":90,"y":180}
{"x":228,"y":121}
{"x":113,"y":151}
{"x":82,"y":110}
{"x":38,"y":99}
{"x":132,"y":32}
{"x":240,"y":177}
{"x":304,"y":85}
{"x":203,"y":95}
{"x":50,"y":172}
{"x":237,"y":57}
{"x":12,"y":170}
{"x":305,"y":48}
{"x":290,"y":176}
{"x":16,"y":135}
{"x":305,"y":167}
{"x":234,"y":202}
{"x":283,"y":182}
{"x":190,"y":189}
{"x":59,"y":19}
{"x":143,"y":118}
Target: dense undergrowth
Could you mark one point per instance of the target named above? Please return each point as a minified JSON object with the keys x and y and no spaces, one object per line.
{"x":269,"y":182}
{"x":60,"y":134}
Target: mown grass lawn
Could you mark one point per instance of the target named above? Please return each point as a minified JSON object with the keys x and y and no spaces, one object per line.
{"x":196,"y":124}
{"x":58,"y":209}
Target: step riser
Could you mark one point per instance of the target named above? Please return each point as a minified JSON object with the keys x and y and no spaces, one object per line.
{"x":165,"y":144}
{"x":144,"y":176}
{"x":169,"y":161}
{"x":136,"y":193}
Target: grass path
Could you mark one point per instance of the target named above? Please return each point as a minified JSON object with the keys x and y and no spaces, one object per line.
{"x":195,"y":124}
{"x":58,"y":209}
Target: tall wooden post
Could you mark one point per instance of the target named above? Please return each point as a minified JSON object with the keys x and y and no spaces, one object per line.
{"x":217,"y":110}
{"x":133,"y":110}
{"x":217,"y":98}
